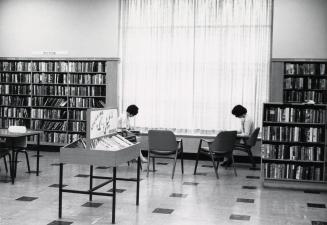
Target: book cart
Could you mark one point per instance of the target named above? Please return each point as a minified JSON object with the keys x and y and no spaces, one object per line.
{"x":102,"y":147}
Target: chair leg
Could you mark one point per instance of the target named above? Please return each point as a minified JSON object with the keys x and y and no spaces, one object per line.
{"x":214,"y":165}
{"x":251,"y":158}
{"x":197,"y":157}
{"x":4,"y":159}
{"x":182,"y":161}
{"x":172,"y":176}
{"x":196,"y":162}
{"x":28,"y":162}
{"x":234,"y":165}
{"x":148,"y":166}
{"x":153,"y":164}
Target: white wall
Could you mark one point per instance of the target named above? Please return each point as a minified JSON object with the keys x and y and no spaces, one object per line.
{"x":300,"y":29}
{"x":82,"y":28}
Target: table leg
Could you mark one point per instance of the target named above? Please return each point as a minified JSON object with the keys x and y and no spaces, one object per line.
{"x":12,"y":163}
{"x":91,"y":183}
{"x":138,"y":181}
{"x":60,"y":188}
{"x":38,"y":155}
{"x":113,"y":195}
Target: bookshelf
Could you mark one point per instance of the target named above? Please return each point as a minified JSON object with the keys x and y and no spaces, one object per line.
{"x":53,"y":94}
{"x":294,"y":145}
{"x":305,"y":80}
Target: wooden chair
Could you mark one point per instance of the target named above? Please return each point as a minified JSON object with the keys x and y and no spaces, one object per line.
{"x":222,"y":146}
{"x":163,"y":144}
{"x":247,"y":146}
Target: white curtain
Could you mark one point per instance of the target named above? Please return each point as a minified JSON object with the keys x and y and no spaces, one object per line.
{"x":186,"y":63}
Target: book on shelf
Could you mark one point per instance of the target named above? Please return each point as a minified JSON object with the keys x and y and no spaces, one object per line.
{"x":292,"y":134}
{"x":292,"y":172}
{"x":293,"y":152}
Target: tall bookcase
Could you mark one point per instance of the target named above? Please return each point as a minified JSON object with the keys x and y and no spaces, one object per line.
{"x":305,"y":80}
{"x":52,"y":95}
{"x":294,"y":145}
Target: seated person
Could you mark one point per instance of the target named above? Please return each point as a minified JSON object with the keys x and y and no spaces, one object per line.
{"x":124,"y":124}
{"x":247,"y":127}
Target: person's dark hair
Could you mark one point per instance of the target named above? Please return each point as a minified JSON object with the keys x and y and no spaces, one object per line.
{"x":239,"y":110}
{"x":132,"y":110}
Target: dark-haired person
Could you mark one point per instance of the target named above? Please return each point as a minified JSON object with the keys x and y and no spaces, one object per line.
{"x":124,"y":119}
{"x":247,"y":124}
{"x":124,"y":123}
{"x":246,"y":129}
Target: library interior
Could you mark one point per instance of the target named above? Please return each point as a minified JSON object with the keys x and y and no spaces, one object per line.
{"x":163,"y":112}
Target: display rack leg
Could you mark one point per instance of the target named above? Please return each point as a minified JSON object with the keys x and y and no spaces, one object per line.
{"x":138,"y":180}
{"x":38,"y":155}
{"x":114,"y":195}
{"x":60,"y":188}
{"x":91,"y":183}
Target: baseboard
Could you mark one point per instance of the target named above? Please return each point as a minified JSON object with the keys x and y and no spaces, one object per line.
{"x":192,"y":156}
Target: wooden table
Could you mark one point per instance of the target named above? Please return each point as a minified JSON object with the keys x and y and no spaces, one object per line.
{"x":10,"y":136}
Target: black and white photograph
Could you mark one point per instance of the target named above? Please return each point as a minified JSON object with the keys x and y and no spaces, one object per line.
{"x":163,"y":112}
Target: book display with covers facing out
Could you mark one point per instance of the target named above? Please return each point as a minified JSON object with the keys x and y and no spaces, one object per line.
{"x":52,"y":95}
{"x":294,"y":142}
{"x":102,"y":145}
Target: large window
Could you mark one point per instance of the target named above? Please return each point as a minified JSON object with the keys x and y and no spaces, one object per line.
{"x":186,"y":63}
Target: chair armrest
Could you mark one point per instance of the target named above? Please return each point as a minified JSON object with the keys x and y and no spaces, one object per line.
{"x":243,"y":136}
{"x":209,"y":141}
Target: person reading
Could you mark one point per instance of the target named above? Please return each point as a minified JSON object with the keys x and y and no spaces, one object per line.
{"x":246,"y":128}
{"x":124,"y":124}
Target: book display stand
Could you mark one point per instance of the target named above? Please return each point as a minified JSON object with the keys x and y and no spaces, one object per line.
{"x":102,"y":147}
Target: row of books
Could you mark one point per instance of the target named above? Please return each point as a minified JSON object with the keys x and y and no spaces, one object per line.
{"x":15,"y":66}
{"x":49,"y":125}
{"x":302,"y":96}
{"x":292,"y":134}
{"x":292,"y":171}
{"x":87,"y":91}
{"x":53,"y":137}
{"x":77,"y":114}
{"x":14,"y":112}
{"x":49,"y":101}
{"x":49,"y":114}
{"x":293,"y":83}
{"x":113,"y":143}
{"x":86,"y":102}
{"x":87,"y":66}
{"x":317,"y":84}
{"x":15,"y":101}
{"x":86,"y":79}
{"x":5,"y":123}
{"x":48,"y":78}
{"x":305,"y":68}
{"x":289,"y":114}
{"x":50,"y":90}
{"x":14,"y":89}
{"x":15,"y":77}
{"x":77,"y":126}
{"x":293,"y":152}
{"x":55,"y":66}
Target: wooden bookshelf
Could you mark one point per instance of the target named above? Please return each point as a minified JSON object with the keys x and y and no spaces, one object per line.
{"x":294,"y":144}
{"x":305,"y":80}
{"x":53,"y":94}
